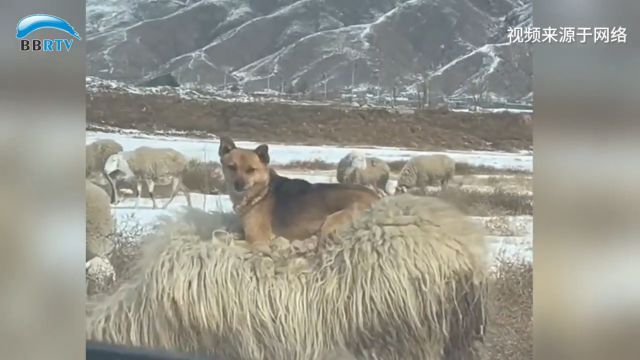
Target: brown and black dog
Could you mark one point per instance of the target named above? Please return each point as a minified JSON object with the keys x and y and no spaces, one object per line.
{"x":269,"y":204}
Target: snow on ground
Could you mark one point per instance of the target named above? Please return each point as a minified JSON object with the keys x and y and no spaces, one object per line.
{"x":208,"y":149}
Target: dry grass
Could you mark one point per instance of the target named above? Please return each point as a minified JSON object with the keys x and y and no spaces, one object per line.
{"x":468,"y":169}
{"x":510,"y":323}
{"x":396,"y":167}
{"x":521,"y":182}
{"x":315,"y":164}
{"x":495,"y":203}
{"x":126,"y":251}
{"x":125,"y":254}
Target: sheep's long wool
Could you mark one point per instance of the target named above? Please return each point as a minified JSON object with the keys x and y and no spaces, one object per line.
{"x":407,"y":280}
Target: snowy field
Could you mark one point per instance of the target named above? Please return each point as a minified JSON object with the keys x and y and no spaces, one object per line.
{"x":208,"y":149}
{"x":513,"y":235}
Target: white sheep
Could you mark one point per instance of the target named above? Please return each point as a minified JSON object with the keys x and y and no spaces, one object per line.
{"x":153,"y":166}
{"x":426,"y":170}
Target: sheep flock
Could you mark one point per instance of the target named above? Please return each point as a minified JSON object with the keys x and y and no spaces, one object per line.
{"x":406,"y":280}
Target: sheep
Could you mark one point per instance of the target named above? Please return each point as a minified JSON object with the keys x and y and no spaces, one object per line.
{"x":375,"y":175}
{"x":353,"y":160}
{"x":99,"y":222}
{"x":355,"y":168}
{"x":206,"y":177}
{"x":407,"y":280}
{"x":97,"y":153}
{"x":162,"y":166}
{"x":100,"y":179}
{"x":425,"y":170}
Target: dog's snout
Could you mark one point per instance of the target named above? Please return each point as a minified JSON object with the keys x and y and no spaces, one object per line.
{"x":238,"y":185}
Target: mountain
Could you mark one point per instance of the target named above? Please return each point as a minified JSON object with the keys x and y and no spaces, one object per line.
{"x":296,"y":44}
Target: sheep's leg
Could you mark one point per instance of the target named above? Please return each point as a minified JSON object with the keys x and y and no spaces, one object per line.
{"x":112,"y":185}
{"x":186,"y":193}
{"x":139,"y":194}
{"x":150,"y":186}
{"x":175,"y":183}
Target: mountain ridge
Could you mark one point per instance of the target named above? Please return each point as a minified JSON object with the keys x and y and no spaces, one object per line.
{"x":299,"y":44}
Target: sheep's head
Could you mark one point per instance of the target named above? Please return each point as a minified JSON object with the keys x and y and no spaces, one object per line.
{"x":117,"y":164}
{"x":246,"y":171}
{"x":358,"y":160}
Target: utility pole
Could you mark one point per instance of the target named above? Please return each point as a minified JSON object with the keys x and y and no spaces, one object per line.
{"x":324,"y":79}
{"x":353,"y":75}
{"x":428,"y":86}
{"x":269,"y":82}
{"x":394,"y":96}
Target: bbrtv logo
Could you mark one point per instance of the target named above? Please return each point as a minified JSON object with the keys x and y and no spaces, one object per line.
{"x":32,"y":23}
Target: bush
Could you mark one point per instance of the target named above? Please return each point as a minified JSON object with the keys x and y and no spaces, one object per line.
{"x":494,"y":203}
{"x":510,"y":321}
{"x":126,"y":251}
{"x":315,"y":164}
{"x":463,"y":168}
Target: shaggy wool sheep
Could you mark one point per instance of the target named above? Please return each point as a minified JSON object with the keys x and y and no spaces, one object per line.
{"x":407,"y":280}
{"x":97,"y":153}
{"x":426,"y":170}
{"x":100,"y":225}
{"x":162,"y":166}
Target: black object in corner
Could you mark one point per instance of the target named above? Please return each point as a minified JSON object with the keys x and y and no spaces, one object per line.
{"x":101,"y":351}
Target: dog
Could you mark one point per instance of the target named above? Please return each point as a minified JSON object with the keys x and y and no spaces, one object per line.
{"x":272,"y":205}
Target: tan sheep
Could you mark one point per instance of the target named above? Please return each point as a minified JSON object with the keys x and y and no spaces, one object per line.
{"x":355,"y":168}
{"x":405,"y":281}
{"x":100,"y":225}
{"x":426,"y":170}
{"x":375,"y":175}
{"x":353,"y":160}
{"x":162,"y":166}
{"x":97,"y":153}
{"x":205,"y":177}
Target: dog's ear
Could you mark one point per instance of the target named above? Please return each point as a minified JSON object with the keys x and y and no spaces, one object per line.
{"x":226,"y":145}
{"x":263,"y":153}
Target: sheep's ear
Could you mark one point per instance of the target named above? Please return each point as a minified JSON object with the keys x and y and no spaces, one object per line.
{"x":263,"y":153}
{"x":226,"y":145}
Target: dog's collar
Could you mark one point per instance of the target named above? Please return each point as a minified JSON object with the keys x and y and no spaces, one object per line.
{"x":246,"y":204}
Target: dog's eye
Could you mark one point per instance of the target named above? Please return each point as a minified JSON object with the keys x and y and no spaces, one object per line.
{"x":232,"y":167}
{"x":250,"y":170}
